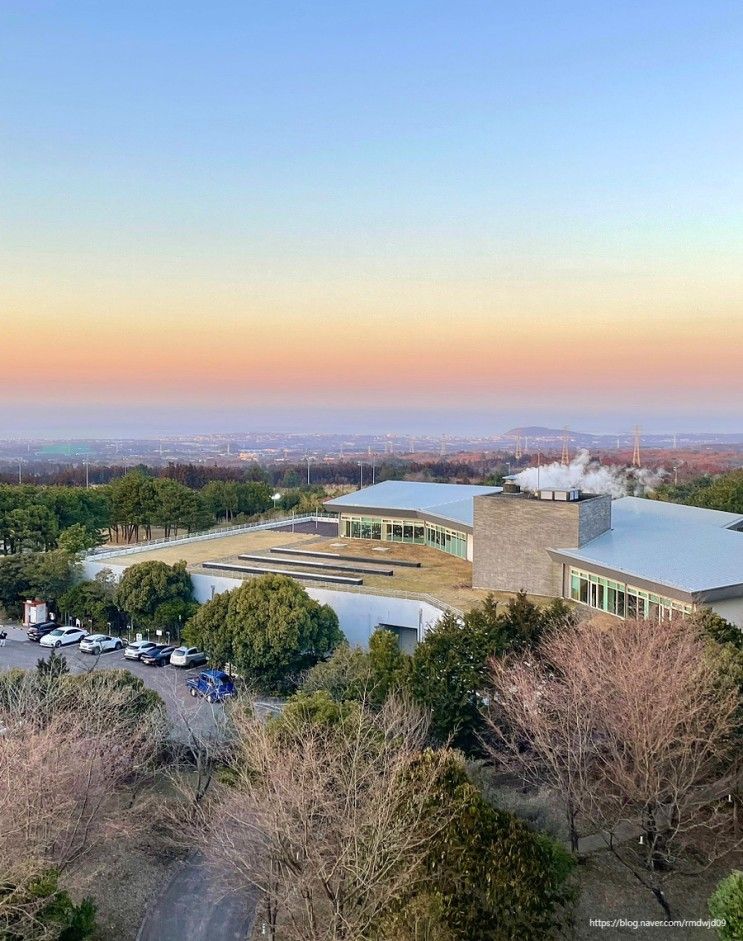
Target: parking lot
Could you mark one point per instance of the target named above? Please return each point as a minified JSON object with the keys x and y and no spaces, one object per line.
{"x":170,"y":682}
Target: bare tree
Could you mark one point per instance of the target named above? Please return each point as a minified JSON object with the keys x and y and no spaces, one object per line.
{"x":632,"y":723}
{"x":316,"y":819}
{"x":544,"y":731}
{"x":71,"y":755}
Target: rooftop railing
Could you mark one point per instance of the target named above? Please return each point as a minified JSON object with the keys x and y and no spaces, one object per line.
{"x":110,"y":550}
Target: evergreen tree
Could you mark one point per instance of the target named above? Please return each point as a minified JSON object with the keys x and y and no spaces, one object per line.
{"x":53,"y":667}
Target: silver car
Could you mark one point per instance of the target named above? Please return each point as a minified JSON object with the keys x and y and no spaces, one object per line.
{"x":188,"y":657}
{"x":136,"y":648}
{"x":98,"y":643}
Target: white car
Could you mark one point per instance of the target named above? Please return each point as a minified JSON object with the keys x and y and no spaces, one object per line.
{"x":135,"y":650}
{"x":61,"y":636}
{"x":98,"y":643}
{"x":188,"y":657}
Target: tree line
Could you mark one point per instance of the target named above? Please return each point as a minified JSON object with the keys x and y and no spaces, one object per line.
{"x":284,"y":474}
{"x":714,"y":492}
{"x":37,"y":518}
{"x":45,"y":517}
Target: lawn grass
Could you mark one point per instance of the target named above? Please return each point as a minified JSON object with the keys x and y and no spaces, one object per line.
{"x":442,"y":576}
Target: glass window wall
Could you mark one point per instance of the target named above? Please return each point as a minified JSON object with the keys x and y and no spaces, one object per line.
{"x":448,"y":540}
{"x":620,"y":599}
{"x":413,"y":532}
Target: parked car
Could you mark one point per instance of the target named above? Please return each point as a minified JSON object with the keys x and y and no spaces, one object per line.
{"x":158,"y":656}
{"x":213,"y":685}
{"x":98,"y":643}
{"x":188,"y":657}
{"x":135,"y":649}
{"x":63,"y":636}
{"x":37,"y":631}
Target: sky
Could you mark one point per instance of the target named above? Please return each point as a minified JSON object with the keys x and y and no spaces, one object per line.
{"x":353,"y":216}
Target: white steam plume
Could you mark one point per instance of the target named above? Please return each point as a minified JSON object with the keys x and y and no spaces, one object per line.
{"x":590,"y":476}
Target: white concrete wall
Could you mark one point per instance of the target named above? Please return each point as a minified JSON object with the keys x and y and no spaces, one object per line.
{"x":358,"y":612}
{"x":731,"y":609}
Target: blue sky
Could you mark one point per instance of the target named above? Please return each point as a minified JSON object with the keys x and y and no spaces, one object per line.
{"x":286,"y":171}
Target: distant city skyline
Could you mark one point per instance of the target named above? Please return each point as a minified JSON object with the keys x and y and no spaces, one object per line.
{"x":373,"y":217}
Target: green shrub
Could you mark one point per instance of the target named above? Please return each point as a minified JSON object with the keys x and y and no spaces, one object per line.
{"x":278,"y":631}
{"x":40,"y":909}
{"x":726,"y":903}
{"x":489,"y":875}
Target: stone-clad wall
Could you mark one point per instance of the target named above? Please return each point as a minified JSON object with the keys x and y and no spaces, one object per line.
{"x":512,"y":533}
{"x":595,"y":518}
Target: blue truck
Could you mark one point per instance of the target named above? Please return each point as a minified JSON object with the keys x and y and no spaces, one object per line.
{"x":213,"y":685}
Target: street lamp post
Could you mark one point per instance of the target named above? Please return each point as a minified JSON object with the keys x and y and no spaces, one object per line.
{"x":308,"y":459}
{"x":361,"y":465}
{"x":276,"y":497}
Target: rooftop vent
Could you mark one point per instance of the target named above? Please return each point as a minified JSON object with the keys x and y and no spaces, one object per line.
{"x":566,"y":496}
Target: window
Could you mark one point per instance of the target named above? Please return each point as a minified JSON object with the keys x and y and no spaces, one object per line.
{"x":579,"y":586}
{"x":604,"y":594}
{"x":405,"y":531}
{"x":448,"y":540}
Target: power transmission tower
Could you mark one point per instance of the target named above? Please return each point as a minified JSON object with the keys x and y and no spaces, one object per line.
{"x":442,"y":448}
{"x":565,"y":459}
{"x":636,"y":452}
{"x":518,"y":453}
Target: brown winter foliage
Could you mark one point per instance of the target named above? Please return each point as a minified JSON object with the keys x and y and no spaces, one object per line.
{"x":633,"y":724}
{"x":72,"y":754}
{"x":314,"y":819}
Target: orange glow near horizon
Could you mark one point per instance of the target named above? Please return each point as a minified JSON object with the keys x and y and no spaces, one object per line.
{"x":345,"y":342}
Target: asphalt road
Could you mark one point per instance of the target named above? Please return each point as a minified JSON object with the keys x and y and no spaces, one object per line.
{"x":194,"y":907}
{"x":170,"y":682}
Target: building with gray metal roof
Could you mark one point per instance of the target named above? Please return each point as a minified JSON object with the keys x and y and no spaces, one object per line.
{"x":437,"y":515}
{"x":627,"y":556}
{"x":693,"y":554}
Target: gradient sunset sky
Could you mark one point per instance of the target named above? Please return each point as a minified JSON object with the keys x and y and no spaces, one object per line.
{"x":370,"y":216}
